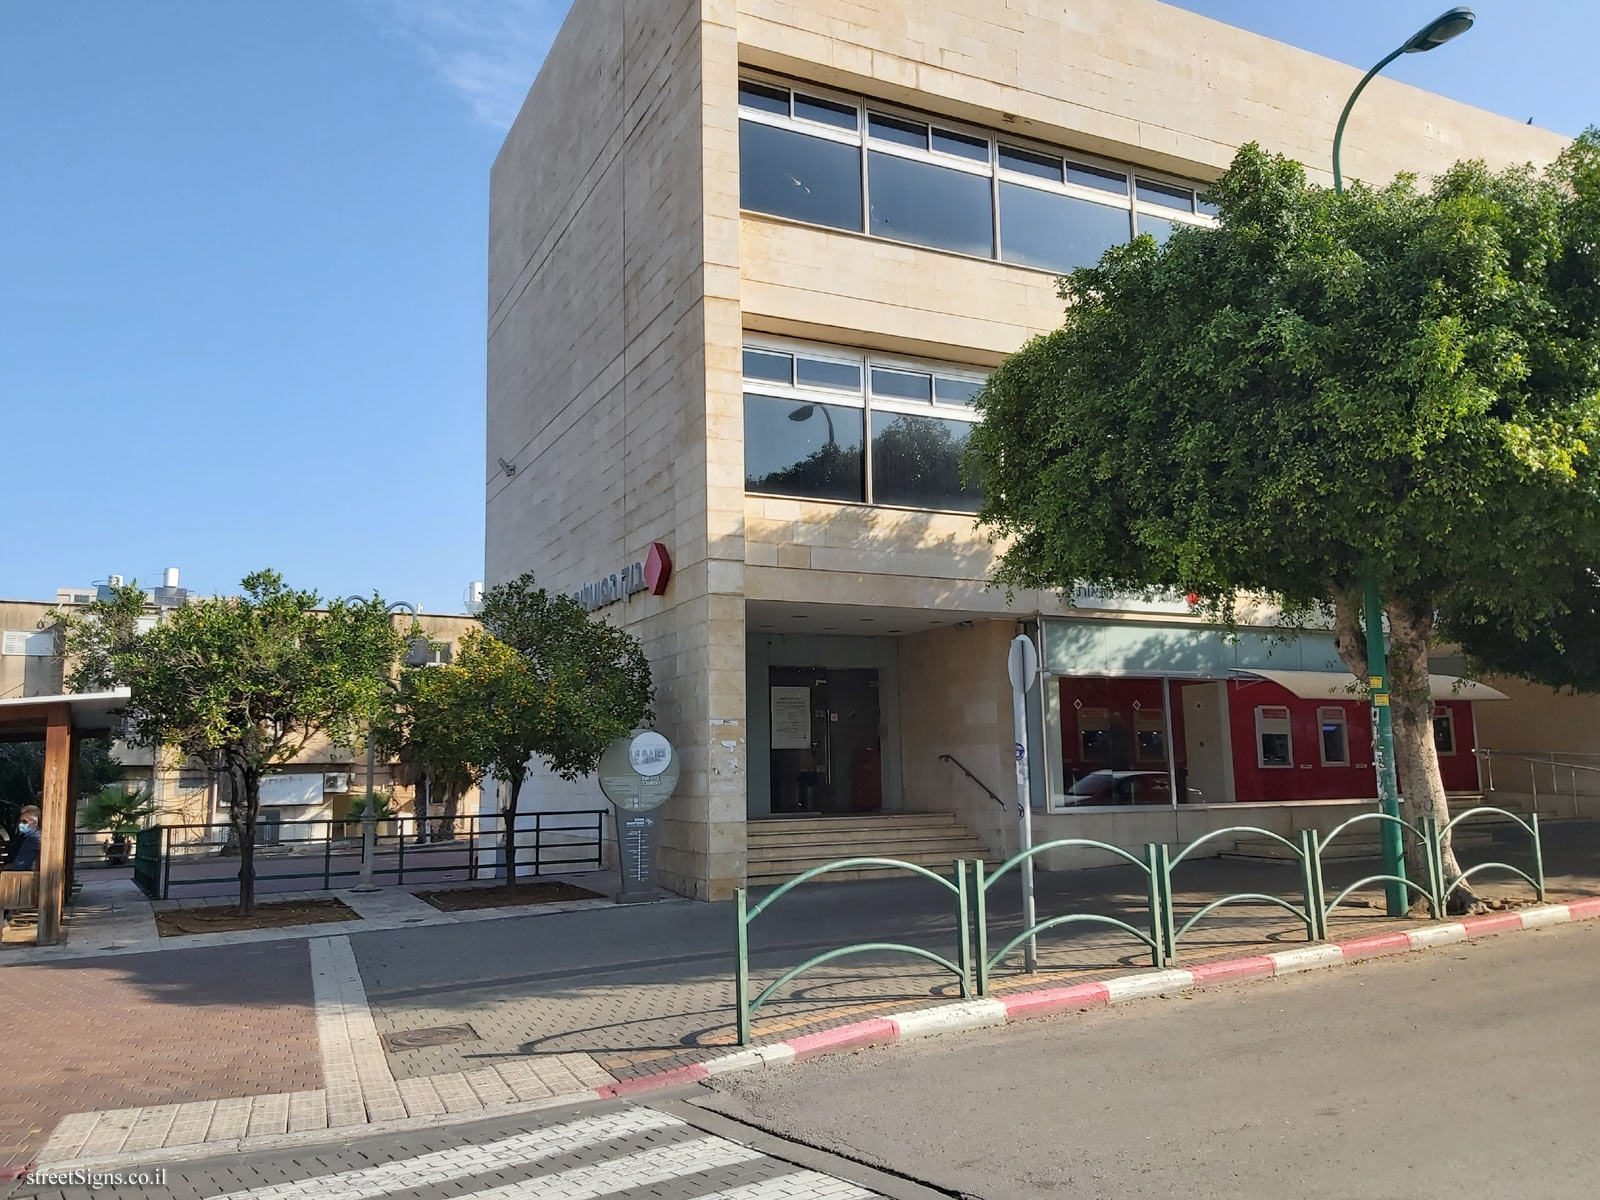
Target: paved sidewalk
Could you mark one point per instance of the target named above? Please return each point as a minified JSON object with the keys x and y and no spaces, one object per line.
{"x":558,"y":1002}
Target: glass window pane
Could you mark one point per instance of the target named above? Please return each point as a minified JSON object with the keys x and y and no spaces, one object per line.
{"x":1157,"y":227}
{"x":916,"y":462}
{"x":767,"y":99}
{"x":1026,"y":162}
{"x":931,"y":206}
{"x":1180,"y":198}
{"x":769,"y":365}
{"x":901,"y":133}
{"x":948,"y":141}
{"x":1275,"y":750}
{"x":800,"y":449}
{"x":1097,"y":177}
{"x":828,"y":112}
{"x":902,"y":385}
{"x":949,"y":390}
{"x":825,"y":373}
{"x":790,"y":174}
{"x":1206,"y":208}
{"x":1058,"y":233}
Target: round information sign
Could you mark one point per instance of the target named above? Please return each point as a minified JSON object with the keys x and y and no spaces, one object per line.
{"x":638,"y":772}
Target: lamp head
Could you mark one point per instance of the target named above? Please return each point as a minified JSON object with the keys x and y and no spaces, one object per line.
{"x":1440,"y":30}
{"x":803,"y":413}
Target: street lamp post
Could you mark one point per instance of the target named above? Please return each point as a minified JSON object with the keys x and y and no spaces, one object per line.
{"x":369,"y":817}
{"x":1436,"y":33}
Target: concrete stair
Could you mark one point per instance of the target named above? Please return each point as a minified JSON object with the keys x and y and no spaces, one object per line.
{"x":783,"y":847}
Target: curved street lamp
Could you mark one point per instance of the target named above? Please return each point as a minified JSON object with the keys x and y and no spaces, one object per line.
{"x":1437,"y":32}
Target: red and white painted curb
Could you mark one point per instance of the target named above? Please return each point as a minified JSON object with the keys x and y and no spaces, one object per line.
{"x":979,"y":1014}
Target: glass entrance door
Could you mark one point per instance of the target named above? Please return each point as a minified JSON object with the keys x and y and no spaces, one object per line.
{"x":827,"y":747}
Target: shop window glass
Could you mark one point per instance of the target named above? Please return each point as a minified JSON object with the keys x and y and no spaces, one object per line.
{"x":902,"y":385}
{"x":930,"y":205}
{"x":769,"y":366}
{"x":1097,"y":177}
{"x":1335,"y":737}
{"x":1444,"y":732}
{"x":796,"y":448}
{"x":826,"y":112}
{"x":1157,"y":227}
{"x":1166,"y":195}
{"x":1150,"y":736}
{"x":947,"y":389}
{"x":916,"y":462}
{"x":826,"y":373}
{"x":794,"y":175}
{"x":1056,"y":232}
{"x":1030,"y":162}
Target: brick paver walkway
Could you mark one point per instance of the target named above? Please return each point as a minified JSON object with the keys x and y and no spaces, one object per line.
{"x":151,"y":1029}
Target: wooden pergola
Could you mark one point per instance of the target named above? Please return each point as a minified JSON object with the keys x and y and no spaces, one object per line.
{"x":60,"y":722}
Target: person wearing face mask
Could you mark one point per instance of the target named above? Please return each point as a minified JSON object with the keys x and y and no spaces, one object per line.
{"x":25,"y":848}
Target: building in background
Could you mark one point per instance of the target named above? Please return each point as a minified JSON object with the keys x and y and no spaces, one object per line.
{"x":748,"y":265}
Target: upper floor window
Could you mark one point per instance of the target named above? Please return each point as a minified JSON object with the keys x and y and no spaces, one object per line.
{"x":841,"y":162}
{"x":830,"y":424}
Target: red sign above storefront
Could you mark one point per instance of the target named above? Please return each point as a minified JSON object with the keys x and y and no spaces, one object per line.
{"x":657,"y":568}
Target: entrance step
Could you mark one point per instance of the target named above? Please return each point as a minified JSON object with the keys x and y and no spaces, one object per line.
{"x":782,"y":848}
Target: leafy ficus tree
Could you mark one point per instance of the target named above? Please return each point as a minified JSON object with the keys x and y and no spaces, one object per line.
{"x":553,"y":683}
{"x":1395,"y":381}
{"x":434,"y":727}
{"x":247,"y":681}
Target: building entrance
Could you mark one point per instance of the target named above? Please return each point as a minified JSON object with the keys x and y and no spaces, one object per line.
{"x":826,"y":739}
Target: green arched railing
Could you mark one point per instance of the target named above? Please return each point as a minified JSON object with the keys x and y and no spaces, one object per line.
{"x":1305,"y":854}
{"x":1530,"y":827}
{"x":961,"y":967}
{"x":1428,"y":889}
{"x":984,"y":963}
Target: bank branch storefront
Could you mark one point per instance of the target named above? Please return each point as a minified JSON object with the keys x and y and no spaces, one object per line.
{"x":1162,"y":730}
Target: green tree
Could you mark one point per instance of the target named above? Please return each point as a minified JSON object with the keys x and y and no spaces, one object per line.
{"x":1396,"y":381}
{"x":433,"y":728}
{"x":22,"y":774}
{"x":554,"y":684}
{"x":247,"y":681}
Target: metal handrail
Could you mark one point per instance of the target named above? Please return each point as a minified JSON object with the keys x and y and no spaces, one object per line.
{"x":1552,"y":759}
{"x":957,"y":764}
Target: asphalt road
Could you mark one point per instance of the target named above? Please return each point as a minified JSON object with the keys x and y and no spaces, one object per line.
{"x":1468,"y":1071}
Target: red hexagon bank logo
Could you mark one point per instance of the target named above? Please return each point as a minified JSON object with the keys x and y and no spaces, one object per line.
{"x":657,"y":568}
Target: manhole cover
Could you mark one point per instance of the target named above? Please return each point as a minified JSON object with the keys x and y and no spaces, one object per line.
{"x":438,"y":1035}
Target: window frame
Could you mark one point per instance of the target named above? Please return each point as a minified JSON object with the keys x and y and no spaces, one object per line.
{"x":863,"y":398}
{"x":996,"y":174}
{"x":1342,"y":719}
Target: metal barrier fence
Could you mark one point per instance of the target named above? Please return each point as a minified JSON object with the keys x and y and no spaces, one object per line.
{"x":1161,"y":934}
{"x":320,"y":855}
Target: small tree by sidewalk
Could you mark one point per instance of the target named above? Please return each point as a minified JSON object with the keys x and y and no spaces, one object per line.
{"x":244,"y":681}
{"x":551,"y":683}
{"x":1322,"y":387}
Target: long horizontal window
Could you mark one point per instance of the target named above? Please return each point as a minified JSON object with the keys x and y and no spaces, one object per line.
{"x":851,"y":164}
{"x":809,"y":411}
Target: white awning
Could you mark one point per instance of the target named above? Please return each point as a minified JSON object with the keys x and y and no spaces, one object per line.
{"x":1339,"y":685}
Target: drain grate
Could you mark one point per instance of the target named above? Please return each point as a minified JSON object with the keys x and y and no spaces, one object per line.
{"x":437,"y":1035}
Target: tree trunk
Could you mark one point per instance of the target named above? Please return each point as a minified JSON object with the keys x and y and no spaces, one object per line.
{"x":1411,"y":708}
{"x":444,"y":826}
{"x":508,"y":821}
{"x":1416,"y":758}
{"x":242,"y":815}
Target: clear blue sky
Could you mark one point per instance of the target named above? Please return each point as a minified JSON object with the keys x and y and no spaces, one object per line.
{"x":242,"y":267}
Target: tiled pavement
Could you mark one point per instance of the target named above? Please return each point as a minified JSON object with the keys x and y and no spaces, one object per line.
{"x":558,"y":1003}
{"x":619,"y":1153}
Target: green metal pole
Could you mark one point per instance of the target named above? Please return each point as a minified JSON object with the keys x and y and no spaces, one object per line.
{"x":1538,"y":856}
{"x":980,"y":900}
{"x":964,"y":924}
{"x":741,"y":976}
{"x":1394,"y":859}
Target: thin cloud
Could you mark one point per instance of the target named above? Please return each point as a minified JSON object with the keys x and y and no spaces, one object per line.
{"x":487,"y":51}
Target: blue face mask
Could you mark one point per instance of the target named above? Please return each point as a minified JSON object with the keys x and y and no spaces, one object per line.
{"x":25,"y":827}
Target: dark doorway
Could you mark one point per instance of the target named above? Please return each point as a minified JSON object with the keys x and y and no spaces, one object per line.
{"x":827,"y":741}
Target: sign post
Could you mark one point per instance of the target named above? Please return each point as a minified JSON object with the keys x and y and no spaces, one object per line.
{"x":1022,"y":665}
{"x":637,"y":774}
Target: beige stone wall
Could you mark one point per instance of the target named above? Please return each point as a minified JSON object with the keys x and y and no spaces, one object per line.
{"x":613,"y":376}
{"x":26,"y":674}
{"x":955,"y":699}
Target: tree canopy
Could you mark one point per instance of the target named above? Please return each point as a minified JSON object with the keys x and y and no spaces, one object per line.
{"x":1397,"y":380}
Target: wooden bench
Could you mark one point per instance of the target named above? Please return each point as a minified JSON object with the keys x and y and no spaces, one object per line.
{"x":18,"y":890}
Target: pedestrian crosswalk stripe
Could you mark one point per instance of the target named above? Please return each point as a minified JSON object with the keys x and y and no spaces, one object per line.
{"x":661,"y":1164}
{"x":801,"y":1185}
{"x":442,"y":1166}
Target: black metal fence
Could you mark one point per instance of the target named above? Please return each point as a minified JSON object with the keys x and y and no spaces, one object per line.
{"x":320,"y":855}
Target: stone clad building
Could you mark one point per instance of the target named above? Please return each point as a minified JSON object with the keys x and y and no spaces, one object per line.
{"x":748,"y":262}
